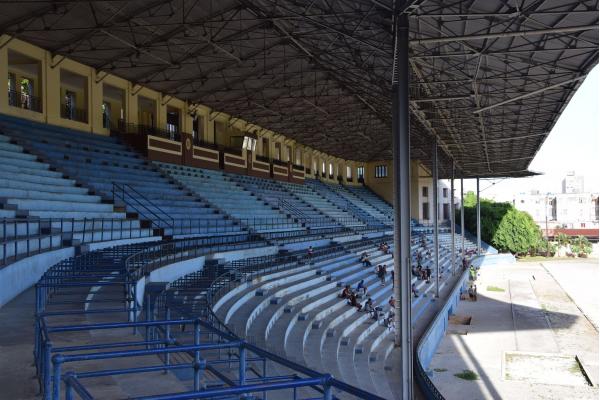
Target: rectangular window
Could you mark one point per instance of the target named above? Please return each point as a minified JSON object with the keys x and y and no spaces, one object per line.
{"x":425,"y":191}
{"x":381,"y":171}
{"x":361,"y":172}
{"x":425,"y":211}
{"x":445,"y":192}
{"x":446,"y":211}
{"x":265,"y":147}
{"x":348,"y":172}
{"x":330,"y":169}
{"x":277,"y":151}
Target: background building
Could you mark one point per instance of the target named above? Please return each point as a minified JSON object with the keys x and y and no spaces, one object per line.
{"x":573,"y":208}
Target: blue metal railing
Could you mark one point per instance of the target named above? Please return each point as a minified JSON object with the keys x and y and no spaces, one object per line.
{"x":142,"y":205}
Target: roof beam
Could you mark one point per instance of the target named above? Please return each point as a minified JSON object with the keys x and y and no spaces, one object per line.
{"x":483,"y":36}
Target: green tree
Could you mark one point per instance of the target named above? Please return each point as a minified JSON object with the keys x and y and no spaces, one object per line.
{"x":502,"y":225}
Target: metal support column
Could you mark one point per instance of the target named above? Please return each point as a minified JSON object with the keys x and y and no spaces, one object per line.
{"x":401,"y":151}
{"x":436,"y":248}
{"x":478,"y":220}
{"x":462,"y":217}
{"x":452,"y":222}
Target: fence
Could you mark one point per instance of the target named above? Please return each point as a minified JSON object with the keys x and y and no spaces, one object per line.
{"x":24,"y":237}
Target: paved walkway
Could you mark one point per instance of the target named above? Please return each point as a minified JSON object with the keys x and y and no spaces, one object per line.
{"x":522,"y":308}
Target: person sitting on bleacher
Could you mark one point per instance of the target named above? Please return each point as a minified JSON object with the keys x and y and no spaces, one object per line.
{"x":388,"y":321}
{"x":346,"y":292}
{"x":310,"y":252}
{"x":415,"y":271}
{"x":369,"y":307}
{"x":392,"y":302}
{"x":381,"y":271}
{"x":364,"y":259}
{"x":353,"y":301}
{"x":415,"y":292}
{"x":361,"y":287}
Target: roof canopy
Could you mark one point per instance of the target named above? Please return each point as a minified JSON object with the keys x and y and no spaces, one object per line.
{"x":489,"y":78}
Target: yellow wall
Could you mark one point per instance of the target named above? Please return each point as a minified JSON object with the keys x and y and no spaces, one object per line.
{"x":384,"y":187}
{"x":90,"y":98}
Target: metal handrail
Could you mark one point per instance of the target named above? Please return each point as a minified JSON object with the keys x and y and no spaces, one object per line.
{"x":16,"y":230}
{"x":161,"y":216}
{"x":286,"y":205}
{"x":24,"y":100}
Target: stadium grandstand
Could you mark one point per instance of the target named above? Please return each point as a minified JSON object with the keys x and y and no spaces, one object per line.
{"x":219,"y":199}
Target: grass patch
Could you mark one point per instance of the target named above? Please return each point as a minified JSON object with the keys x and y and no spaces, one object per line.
{"x":440,"y":369}
{"x":494,"y":289}
{"x":467,"y":375}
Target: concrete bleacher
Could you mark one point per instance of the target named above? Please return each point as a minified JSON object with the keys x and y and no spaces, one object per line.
{"x":297,"y":312}
{"x":325,"y":205}
{"x":223,"y":192}
{"x":366,"y":195}
{"x":349,"y":196}
{"x":99,"y":162}
{"x":41,"y":209}
{"x":278,"y":196}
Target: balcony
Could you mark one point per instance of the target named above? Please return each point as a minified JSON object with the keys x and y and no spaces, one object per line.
{"x":25,"y":101}
{"x":73,"y":113}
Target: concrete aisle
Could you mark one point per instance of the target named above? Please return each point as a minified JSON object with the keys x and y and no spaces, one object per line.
{"x":520,"y":308}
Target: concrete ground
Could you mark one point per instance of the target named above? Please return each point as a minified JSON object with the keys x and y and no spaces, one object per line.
{"x":522,"y":308}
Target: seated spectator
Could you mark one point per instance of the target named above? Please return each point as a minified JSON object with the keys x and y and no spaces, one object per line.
{"x":365,"y":260}
{"x":353,"y":301}
{"x":415,"y":292}
{"x":465,"y":263}
{"x":369,"y":306}
{"x":310,"y":252}
{"x":415,"y":272}
{"x":392,"y":302}
{"x":381,"y":271}
{"x":361,"y":288}
{"x":346,"y":292}
{"x":388,"y":321}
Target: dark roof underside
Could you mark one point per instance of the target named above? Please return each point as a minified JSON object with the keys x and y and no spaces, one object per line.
{"x":489,"y":78}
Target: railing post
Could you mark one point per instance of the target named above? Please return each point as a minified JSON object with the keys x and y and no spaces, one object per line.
{"x":196,"y":355}
{"x":47,"y":365}
{"x":168,"y":335}
{"x":57,"y":363}
{"x":242,"y":369}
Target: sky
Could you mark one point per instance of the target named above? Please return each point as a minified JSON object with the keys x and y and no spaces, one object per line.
{"x":572,"y":145}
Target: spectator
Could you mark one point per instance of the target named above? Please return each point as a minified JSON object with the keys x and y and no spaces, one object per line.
{"x":465,"y":263}
{"x":389,"y":320}
{"x":415,"y":272}
{"x":353,"y":301}
{"x":310,"y":253}
{"x":369,"y":307}
{"x":381,"y":274}
{"x":428,"y":274}
{"x":365,"y":260}
{"x":392,"y":302}
{"x":473,"y":273}
{"x":415,"y":292}
{"x":346,"y":292}
{"x":361,"y":287}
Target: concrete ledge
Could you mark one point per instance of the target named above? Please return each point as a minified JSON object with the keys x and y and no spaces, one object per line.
{"x":22,"y":274}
